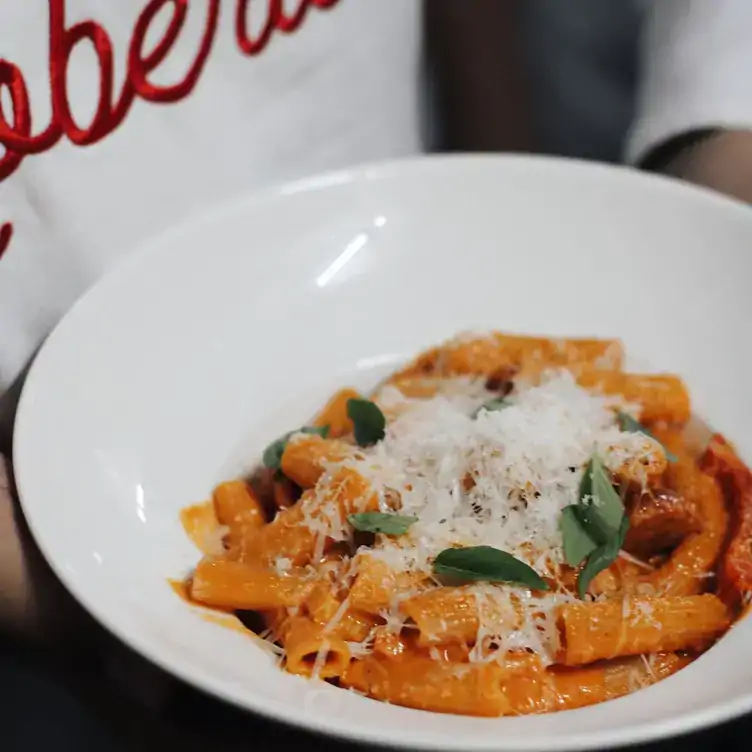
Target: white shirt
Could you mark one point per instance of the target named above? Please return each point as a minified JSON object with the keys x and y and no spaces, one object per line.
{"x":338,"y":87}
{"x":696,"y":70}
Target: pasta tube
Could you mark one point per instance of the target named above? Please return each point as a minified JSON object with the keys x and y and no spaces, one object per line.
{"x":519,"y":686}
{"x":233,"y":585}
{"x":374,"y":586}
{"x":663,"y":397}
{"x":568,"y":689}
{"x":294,"y":533}
{"x":334,"y":415}
{"x":735,"y":575}
{"x":312,"y":651}
{"x":530,"y":355}
{"x":418,"y":681}
{"x":452,"y":615}
{"x":305,"y":456}
{"x":237,"y":507}
{"x":690,"y":562}
{"x":611,"y":629}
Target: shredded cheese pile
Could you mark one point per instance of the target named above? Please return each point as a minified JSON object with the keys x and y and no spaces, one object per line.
{"x":497,"y":478}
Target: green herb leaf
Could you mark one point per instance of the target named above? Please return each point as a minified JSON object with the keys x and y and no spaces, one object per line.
{"x":586,"y":482}
{"x":605,"y":499}
{"x":272,"y":457}
{"x":493,"y":405}
{"x":629,"y":424}
{"x":600,"y":510}
{"x":601,"y":558}
{"x":368,"y":420}
{"x":322,"y":431}
{"x":593,"y":530}
{"x":381,"y":522}
{"x":484,"y":563}
{"x":578,"y":545}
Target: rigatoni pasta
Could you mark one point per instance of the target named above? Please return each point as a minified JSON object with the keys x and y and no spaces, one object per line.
{"x":634,"y":626}
{"x":507,"y":525}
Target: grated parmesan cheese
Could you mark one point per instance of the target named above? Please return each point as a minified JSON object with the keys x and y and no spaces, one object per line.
{"x":501,"y":479}
{"x":634,"y":560}
{"x":282,"y":565}
{"x":213,"y":540}
{"x":476,"y":477}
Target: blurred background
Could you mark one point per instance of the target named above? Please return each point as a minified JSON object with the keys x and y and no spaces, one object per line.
{"x":560,"y":77}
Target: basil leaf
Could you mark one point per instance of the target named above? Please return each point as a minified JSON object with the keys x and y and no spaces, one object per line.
{"x":272,"y":457}
{"x":586,"y":483}
{"x":595,"y":528}
{"x":629,"y":424}
{"x":578,"y":545}
{"x":368,"y":420}
{"x":493,"y":405}
{"x":601,"y":558}
{"x":322,"y":431}
{"x":605,"y":499}
{"x":592,"y":524}
{"x":381,"y":522}
{"x":600,"y":510}
{"x":484,"y":563}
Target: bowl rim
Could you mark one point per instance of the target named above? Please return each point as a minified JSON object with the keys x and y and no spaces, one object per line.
{"x":331,"y":726}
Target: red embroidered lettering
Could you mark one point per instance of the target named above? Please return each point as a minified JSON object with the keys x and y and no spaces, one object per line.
{"x":140,"y":66}
{"x":12,"y":79}
{"x":288,"y":24}
{"x":12,"y":137}
{"x":16,"y":127}
{"x":6,"y":233}
{"x":276,"y":19}
{"x":62,"y":42}
{"x":247,"y":45}
{"x":18,"y":139}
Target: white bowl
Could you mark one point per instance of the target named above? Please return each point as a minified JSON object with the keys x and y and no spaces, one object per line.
{"x":176,"y":369}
